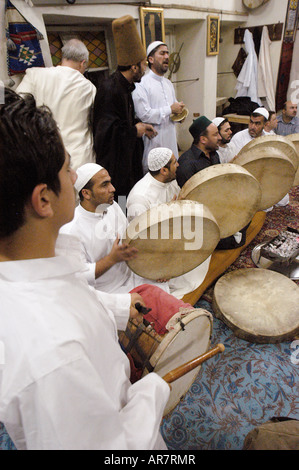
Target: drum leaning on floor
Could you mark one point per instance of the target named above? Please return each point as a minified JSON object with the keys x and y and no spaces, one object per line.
{"x":259,"y":305}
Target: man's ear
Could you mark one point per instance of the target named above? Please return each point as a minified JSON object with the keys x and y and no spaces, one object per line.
{"x":41,"y":201}
{"x":86,"y":194}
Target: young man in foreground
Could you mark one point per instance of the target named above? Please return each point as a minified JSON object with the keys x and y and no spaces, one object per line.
{"x":65,"y":381}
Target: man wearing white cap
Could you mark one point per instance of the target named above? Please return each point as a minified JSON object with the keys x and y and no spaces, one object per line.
{"x":224,"y":151}
{"x":154,"y":100}
{"x":100,"y":223}
{"x":258,"y":119}
{"x":157,"y":186}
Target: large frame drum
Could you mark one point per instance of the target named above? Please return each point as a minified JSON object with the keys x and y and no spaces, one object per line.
{"x":172,"y":239}
{"x":259,"y":305}
{"x":230,"y":192}
{"x":189,"y":336}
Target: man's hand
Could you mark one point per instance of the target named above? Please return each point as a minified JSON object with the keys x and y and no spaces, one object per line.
{"x":177,"y":108}
{"x":145,"y":129}
{"x":122,"y":252}
{"x":134,"y":314}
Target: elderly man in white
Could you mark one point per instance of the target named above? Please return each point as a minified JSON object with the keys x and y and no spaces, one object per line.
{"x":154,"y":101}
{"x":70,"y":96}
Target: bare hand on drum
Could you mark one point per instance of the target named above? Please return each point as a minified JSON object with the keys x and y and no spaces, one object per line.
{"x":134,"y":314}
{"x":122,"y":252}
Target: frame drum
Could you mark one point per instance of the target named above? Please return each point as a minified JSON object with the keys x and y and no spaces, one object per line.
{"x":259,"y":305}
{"x":294,"y":138}
{"x":279,"y":142}
{"x":272,"y":168}
{"x":188,"y":337}
{"x":230,"y":192}
{"x":172,"y":239}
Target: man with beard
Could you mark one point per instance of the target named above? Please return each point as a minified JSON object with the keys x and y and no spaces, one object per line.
{"x":117,"y":133}
{"x":258,"y":119}
{"x":154,"y":101}
{"x":202,"y":152}
{"x":225,"y":151}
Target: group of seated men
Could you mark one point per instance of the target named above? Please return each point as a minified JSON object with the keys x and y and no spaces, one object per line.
{"x":71,"y":388}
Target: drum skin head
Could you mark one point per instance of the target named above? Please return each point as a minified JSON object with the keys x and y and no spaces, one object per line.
{"x":294,"y":138}
{"x":259,"y":305}
{"x":172,"y":239}
{"x":230,"y":192}
{"x":278,"y":142}
{"x":272,"y":168}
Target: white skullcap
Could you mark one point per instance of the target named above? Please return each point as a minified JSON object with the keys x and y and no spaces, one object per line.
{"x":153,"y":45}
{"x":263,"y":112}
{"x":217,"y":121}
{"x":158,"y":157}
{"x":85,"y":173}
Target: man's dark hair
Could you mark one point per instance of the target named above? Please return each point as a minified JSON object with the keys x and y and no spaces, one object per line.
{"x":31,"y":153}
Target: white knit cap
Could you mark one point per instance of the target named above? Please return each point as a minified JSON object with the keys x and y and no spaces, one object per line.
{"x":85,"y":173}
{"x":153,"y":45}
{"x":217,"y":121}
{"x":263,"y":112}
{"x":158,"y":158}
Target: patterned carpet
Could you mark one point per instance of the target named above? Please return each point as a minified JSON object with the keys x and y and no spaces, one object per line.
{"x":246,"y":385}
{"x":243,"y":387}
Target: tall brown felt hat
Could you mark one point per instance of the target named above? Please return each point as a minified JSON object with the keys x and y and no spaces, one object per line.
{"x":129,"y":48}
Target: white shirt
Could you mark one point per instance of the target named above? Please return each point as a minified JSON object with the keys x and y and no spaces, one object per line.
{"x":149,"y":192}
{"x":240,"y":139}
{"x":97,"y":232}
{"x":227,"y":153}
{"x":70,"y":97}
{"x":152,"y":98}
{"x":65,"y":382}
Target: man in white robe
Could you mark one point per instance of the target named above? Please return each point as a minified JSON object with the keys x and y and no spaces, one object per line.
{"x":247,"y":81}
{"x":70,"y":96}
{"x":159,"y":186}
{"x":99,"y":223}
{"x":154,"y":101}
{"x":65,"y":380}
{"x":258,"y":120}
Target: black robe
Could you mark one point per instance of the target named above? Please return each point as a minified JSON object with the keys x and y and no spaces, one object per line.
{"x":117,"y":147}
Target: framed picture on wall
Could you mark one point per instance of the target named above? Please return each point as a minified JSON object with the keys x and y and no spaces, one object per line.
{"x":213,"y":35}
{"x":152,"y":25}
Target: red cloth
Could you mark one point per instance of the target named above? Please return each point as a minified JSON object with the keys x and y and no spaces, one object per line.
{"x":163,"y":306}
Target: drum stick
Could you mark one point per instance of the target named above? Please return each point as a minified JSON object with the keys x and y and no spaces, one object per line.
{"x":185,"y":368}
